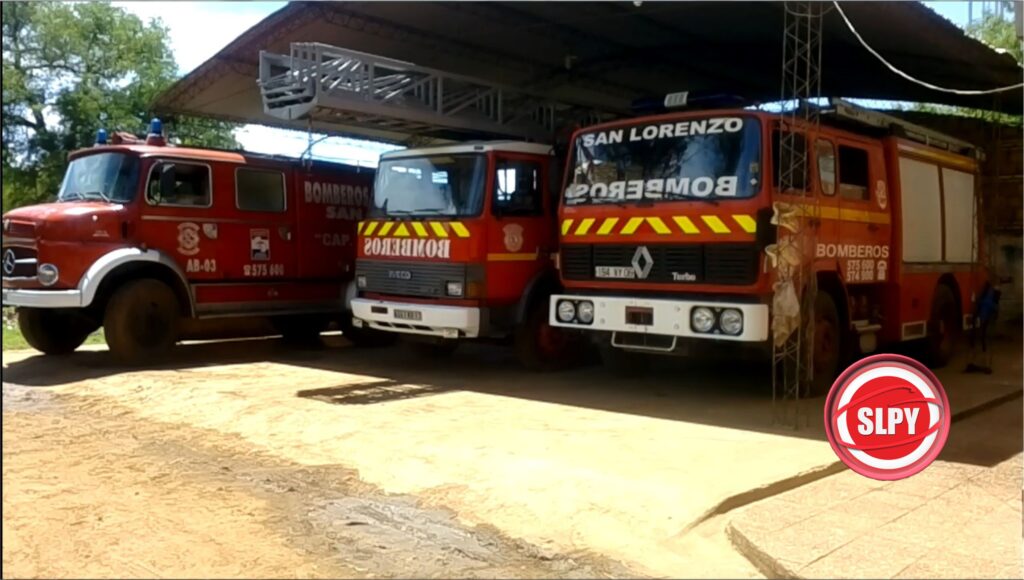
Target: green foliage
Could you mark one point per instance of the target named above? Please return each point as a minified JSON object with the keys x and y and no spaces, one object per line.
{"x":69,"y":69}
{"x":999,"y":33}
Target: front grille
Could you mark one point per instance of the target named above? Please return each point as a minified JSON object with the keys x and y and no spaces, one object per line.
{"x":18,"y":262}
{"x":20,"y":230}
{"x":727,"y":264}
{"x":421,"y":279}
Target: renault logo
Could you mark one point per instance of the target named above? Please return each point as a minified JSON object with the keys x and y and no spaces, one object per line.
{"x":642,"y":262}
{"x":9,"y":262}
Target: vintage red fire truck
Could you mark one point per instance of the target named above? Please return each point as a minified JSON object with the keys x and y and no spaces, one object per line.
{"x":458,"y":246}
{"x":148,"y":240}
{"x":667,"y":231}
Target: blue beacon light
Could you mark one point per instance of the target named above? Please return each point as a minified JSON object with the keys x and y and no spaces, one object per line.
{"x":101,"y":137}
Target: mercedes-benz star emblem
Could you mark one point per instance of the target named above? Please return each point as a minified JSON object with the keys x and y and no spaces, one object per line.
{"x":9,"y":262}
{"x":642,"y":262}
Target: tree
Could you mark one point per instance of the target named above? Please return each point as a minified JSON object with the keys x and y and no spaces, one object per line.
{"x":70,"y":69}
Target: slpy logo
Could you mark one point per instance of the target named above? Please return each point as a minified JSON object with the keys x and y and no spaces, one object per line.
{"x":887,"y":417}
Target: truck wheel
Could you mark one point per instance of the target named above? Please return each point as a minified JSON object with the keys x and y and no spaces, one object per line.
{"x":141,"y":321}
{"x":54,"y":331}
{"x":539,"y":346}
{"x":827,"y":345}
{"x":300,"y":330}
{"x":621,"y":362}
{"x":440,"y":348}
{"x":944,"y":327}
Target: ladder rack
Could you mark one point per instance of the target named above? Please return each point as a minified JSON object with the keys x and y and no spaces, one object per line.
{"x":845,"y":110}
{"x":326,"y":83}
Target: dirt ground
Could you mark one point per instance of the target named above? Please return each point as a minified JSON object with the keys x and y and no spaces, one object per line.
{"x":251,"y":459}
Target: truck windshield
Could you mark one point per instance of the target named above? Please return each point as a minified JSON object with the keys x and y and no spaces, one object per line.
{"x":102,"y":176}
{"x":433,"y":185}
{"x":710,"y":158}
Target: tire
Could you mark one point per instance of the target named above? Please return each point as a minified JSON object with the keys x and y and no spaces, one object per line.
{"x":441,"y":348}
{"x":622,"y":363}
{"x":300,"y":330}
{"x":944,"y":327}
{"x":141,"y":321}
{"x":539,"y":346}
{"x":54,"y":332}
{"x":828,"y":345}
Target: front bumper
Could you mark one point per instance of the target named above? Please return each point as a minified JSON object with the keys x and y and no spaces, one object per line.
{"x":667,"y":317}
{"x":422,"y":319}
{"x":42,"y":298}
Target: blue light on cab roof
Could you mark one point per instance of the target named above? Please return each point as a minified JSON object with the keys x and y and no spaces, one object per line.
{"x":101,"y":137}
{"x":156,"y":127}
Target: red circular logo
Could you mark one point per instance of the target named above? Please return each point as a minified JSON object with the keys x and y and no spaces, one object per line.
{"x":887,"y":417}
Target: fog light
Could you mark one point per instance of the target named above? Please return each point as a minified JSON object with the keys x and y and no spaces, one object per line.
{"x":361,"y":281}
{"x":585,"y":312}
{"x":731,"y":321}
{"x":453,"y":288}
{"x":566,"y":310}
{"x":47,"y":274}
{"x":702,"y":319}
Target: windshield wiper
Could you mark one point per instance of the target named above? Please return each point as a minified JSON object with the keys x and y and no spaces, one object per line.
{"x":102,"y":195}
{"x":66,"y":196}
{"x":428,"y":211}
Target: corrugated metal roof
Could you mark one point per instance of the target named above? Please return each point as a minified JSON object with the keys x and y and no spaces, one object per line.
{"x":608,"y":54}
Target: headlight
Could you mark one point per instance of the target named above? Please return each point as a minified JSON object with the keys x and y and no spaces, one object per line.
{"x":47,"y":274}
{"x":361,"y":281}
{"x":566,"y":311}
{"x":731,"y":321}
{"x":702,"y":319}
{"x":585,"y":312}
{"x":453,"y":288}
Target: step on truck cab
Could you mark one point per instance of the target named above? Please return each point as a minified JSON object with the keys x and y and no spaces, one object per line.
{"x":669,"y":224}
{"x":149,"y":241}
{"x":458,"y":246}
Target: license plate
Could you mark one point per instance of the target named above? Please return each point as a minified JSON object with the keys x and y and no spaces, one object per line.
{"x":408,"y":314}
{"x":614,"y":272}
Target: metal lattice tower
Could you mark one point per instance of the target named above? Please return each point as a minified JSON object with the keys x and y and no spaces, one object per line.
{"x":801,"y":83}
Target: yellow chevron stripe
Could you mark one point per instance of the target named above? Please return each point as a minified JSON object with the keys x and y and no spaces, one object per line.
{"x":715,"y":224}
{"x":566,"y":226}
{"x":607,"y":226}
{"x":385,"y":228}
{"x":685,"y":224}
{"x":421,"y":230}
{"x":439,"y":230}
{"x":632,"y":225}
{"x":658,"y":225}
{"x":370,"y":227}
{"x":584,"y":226}
{"x":746,"y":222}
{"x":401,"y":231}
{"x":459,"y":229}
{"x":359,"y":228}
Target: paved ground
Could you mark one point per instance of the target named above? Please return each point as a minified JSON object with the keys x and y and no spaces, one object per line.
{"x":572,"y":474}
{"x":960,"y":518}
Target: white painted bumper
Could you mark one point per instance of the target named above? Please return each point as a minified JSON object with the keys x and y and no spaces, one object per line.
{"x":42,"y":298}
{"x":670,"y":317}
{"x":434,"y":319}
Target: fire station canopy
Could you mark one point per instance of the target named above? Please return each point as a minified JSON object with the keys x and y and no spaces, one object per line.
{"x":602,"y":55}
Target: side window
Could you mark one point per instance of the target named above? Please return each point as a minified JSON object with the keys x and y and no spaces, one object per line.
{"x":518,"y":188}
{"x":783,"y":162}
{"x":826,"y":156}
{"x":259,"y":190}
{"x":853,"y":173}
{"x":180,"y":184}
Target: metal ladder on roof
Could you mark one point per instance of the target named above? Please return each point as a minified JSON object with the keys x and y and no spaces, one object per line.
{"x":321,"y":82}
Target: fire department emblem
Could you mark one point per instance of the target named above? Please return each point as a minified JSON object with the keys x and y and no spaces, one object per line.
{"x":513,"y":237}
{"x":880,"y":195}
{"x":188,"y":239}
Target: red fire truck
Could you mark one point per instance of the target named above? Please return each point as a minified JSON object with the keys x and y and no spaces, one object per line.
{"x":149,"y":240}
{"x":668,"y":223}
{"x":458,"y":246}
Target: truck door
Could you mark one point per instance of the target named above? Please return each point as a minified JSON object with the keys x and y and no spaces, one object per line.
{"x":178,"y":217}
{"x":864,"y":227}
{"x":520,"y":238}
{"x":259,"y":240}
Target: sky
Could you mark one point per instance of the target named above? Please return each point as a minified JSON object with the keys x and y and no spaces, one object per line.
{"x":198,"y":30}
